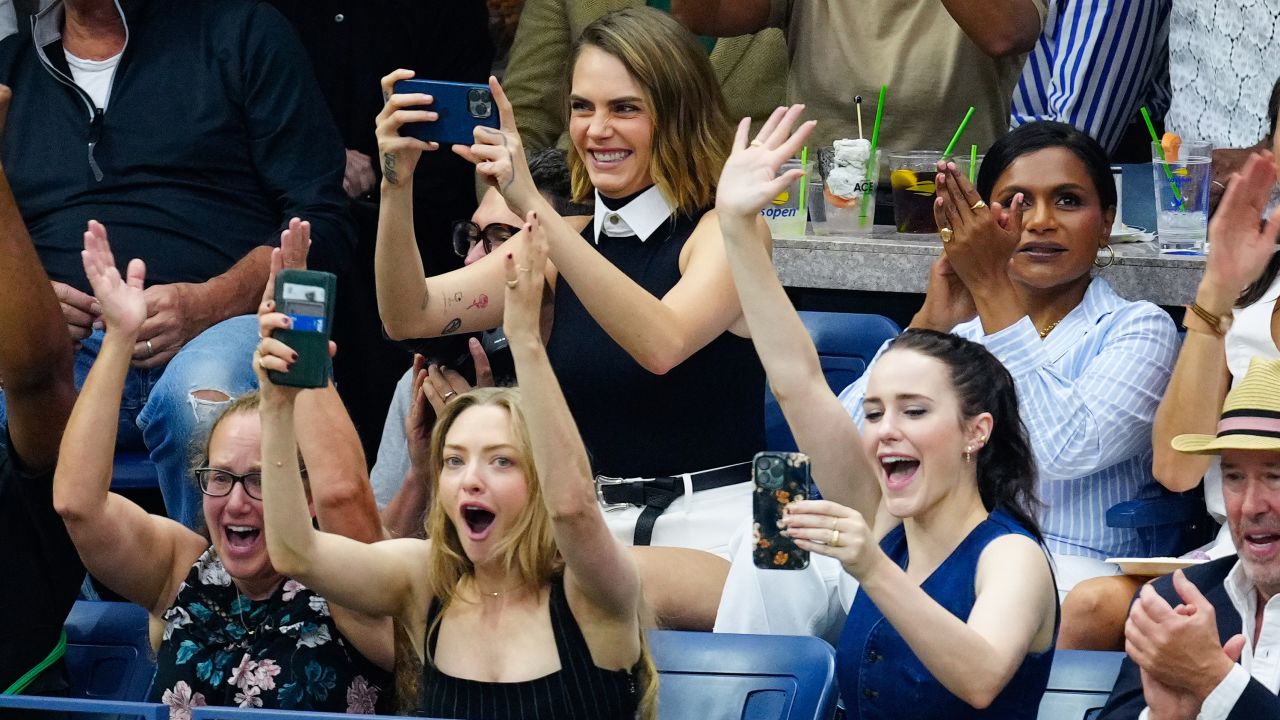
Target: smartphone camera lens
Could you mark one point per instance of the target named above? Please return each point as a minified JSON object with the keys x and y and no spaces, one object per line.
{"x":768,"y":472}
{"x":479,"y":103}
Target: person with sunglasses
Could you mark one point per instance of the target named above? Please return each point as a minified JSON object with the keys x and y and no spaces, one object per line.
{"x":646,"y":331}
{"x":228,"y":629}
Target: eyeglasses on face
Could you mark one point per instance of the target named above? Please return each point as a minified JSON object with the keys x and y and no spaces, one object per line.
{"x":467,"y":233}
{"x":216,"y":482}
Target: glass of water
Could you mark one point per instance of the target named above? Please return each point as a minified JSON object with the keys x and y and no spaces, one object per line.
{"x":1182,"y":196}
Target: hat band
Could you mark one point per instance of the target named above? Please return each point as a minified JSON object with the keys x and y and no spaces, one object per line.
{"x":1249,"y":424}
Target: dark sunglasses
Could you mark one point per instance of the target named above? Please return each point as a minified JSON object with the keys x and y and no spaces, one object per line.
{"x":466,"y":233}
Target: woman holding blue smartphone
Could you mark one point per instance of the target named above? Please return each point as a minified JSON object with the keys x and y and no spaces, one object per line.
{"x":646,"y":333}
{"x":931,"y":508}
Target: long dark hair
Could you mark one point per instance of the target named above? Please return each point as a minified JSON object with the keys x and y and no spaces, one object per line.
{"x":1006,"y":466}
{"x":1041,"y":135}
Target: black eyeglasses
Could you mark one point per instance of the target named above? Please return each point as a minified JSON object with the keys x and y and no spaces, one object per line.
{"x":465,"y":233}
{"x":216,"y":482}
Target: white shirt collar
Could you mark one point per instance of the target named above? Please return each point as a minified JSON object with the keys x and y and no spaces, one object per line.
{"x":640,"y":217}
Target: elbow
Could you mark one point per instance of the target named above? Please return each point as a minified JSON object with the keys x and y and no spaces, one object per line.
{"x":70,"y":506}
{"x":572,"y":511}
{"x":1004,"y":45}
{"x":1174,"y":472}
{"x":396,"y":329}
{"x":662,"y":361}
{"x":982,"y":692}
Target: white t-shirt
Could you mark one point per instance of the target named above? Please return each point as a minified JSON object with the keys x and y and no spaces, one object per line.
{"x":94,"y":76}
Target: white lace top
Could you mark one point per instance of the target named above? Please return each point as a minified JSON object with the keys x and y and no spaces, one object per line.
{"x":1222,"y":65}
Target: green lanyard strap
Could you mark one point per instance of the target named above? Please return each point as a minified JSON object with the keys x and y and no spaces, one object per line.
{"x":21,"y":683}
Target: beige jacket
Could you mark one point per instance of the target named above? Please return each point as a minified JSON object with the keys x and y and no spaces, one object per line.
{"x":752,"y":68}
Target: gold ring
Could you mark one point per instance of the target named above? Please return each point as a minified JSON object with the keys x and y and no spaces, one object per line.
{"x":262,"y":362}
{"x":756,"y":143}
{"x":449,"y":394}
{"x":835,"y":538}
{"x":979,"y":204}
{"x":150,"y":350}
{"x":512,"y":283}
{"x":945,"y":234}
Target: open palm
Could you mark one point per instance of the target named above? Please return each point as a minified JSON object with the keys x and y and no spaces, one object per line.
{"x":1239,"y":247}
{"x":750,"y":178}
{"x":123,"y":305}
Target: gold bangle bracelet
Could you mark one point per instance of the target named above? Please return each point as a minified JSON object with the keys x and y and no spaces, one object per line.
{"x":1219,"y":324}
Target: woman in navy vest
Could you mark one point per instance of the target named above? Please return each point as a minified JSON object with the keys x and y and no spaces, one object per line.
{"x":931,"y":508}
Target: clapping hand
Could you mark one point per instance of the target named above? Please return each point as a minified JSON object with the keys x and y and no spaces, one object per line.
{"x":750,"y":179}
{"x":981,"y":238}
{"x":443,"y":384}
{"x":122,"y":299}
{"x":499,"y":156}
{"x":1240,"y":246}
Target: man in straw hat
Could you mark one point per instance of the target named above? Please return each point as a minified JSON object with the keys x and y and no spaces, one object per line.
{"x":1206,"y":643}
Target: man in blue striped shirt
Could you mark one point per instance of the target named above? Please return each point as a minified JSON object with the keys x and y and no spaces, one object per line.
{"x":1095,"y":64}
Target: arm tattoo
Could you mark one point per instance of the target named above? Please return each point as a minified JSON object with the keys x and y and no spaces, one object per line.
{"x":481,"y":302}
{"x":452,"y":327}
{"x":389,"y":168}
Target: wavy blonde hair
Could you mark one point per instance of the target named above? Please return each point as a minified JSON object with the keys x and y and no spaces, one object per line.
{"x":691,"y":128}
{"x":529,"y":549}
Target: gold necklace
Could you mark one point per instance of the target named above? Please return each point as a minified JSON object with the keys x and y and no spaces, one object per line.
{"x":1049,"y":328}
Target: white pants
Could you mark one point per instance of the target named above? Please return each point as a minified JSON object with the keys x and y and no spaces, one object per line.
{"x":704,"y":520}
{"x":1071,"y":570}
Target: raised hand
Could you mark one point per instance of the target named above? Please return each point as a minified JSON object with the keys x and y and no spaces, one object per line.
{"x":420,"y":419}
{"x":499,"y":156}
{"x":399,"y":155}
{"x":1240,"y":246}
{"x":982,"y":238}
{"x":122,"y":300}
{"x":272,"y":354}
{"x":443,"y":384}
{"x":526,"y":274}
{"x":947,"y":302}
{"x":750,"y":179}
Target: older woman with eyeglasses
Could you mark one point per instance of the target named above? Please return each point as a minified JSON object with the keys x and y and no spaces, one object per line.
{"x":227,"y":628}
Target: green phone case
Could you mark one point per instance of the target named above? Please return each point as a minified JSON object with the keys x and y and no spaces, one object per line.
{"x":307,"y":296}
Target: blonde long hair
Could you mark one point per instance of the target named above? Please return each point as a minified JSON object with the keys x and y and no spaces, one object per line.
{"x":691,"y":128}
{"x":529,"y":549}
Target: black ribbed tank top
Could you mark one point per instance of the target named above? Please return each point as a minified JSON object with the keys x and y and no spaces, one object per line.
{"x":578,"y":691}
{"x":704,"y":413}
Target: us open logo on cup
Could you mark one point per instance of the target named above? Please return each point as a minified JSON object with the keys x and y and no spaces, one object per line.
{"x":784,"y":211}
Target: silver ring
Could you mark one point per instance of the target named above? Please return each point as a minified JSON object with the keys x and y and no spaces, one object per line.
{"x":449,"y":394}
{"x":150,"y":350}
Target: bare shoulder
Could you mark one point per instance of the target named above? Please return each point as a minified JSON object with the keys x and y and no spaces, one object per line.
{"x":1014,"y":561}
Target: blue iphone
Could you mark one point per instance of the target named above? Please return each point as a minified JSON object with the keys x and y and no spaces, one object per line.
{"x":461,"y":107}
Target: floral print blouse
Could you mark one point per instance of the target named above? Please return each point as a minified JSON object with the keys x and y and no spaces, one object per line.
{"x":285,"y":652}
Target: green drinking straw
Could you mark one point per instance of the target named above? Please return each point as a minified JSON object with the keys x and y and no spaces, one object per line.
{"x":804,"y":180}
{"x":1151,"y":128}
{"x":875,"y":140}
{"x":973,"y":163}
{"x":959,"y":131}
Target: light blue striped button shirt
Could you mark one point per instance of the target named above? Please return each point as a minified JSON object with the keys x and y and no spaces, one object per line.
{"x":1088,"y":394}
{"x":1095,"y":63}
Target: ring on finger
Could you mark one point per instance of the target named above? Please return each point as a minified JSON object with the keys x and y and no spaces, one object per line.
{"x":835,"y":538}
{"x":978,"y":205}
{"x":448,"y":395}
{"x":512,"y":283}
{"x":946,"y":234}
{"x":756,"y":143}
{"x":151,"y":351}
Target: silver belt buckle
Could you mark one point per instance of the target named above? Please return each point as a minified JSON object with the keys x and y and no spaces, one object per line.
{"x":602,"y":480}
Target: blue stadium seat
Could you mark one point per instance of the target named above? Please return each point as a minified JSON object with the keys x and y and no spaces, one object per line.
{"x":132,"y":471}
{"x":79,"y":709}
{"x":108,"y":651}
{"x":720,"y":676}
{"x":1079,"y":684}
{"x":846,"y":343}
{"x":1167,"y":525}
{"x":218,"y":713}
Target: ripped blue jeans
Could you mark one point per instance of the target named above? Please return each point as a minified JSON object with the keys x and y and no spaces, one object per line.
{"x":161,"y":413}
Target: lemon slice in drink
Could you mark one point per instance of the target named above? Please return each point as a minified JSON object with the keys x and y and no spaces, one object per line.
{"x":902,"y":179}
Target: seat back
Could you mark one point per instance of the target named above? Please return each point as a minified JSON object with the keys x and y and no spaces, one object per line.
{"x":225,"y":713}
{"x":132,"y":471}
{"x":846,"y":343}
{"x":77,"y":709}
{"x":108,"y":652}
{"x":1079,"y":684}
{"x":721,"y":676}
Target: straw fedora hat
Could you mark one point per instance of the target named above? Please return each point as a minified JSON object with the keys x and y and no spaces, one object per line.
{"x":1250,"y":415}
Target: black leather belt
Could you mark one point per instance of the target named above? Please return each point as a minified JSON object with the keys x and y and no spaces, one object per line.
{"x":656,"y":494}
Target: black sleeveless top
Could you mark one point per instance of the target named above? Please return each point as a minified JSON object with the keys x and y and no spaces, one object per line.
{"x":579,"y":690}
{"x":706,"y":412}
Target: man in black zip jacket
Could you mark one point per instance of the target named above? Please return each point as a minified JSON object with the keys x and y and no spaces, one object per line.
{"x":194,"y":130}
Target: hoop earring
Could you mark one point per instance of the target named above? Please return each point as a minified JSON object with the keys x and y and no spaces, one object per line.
{"x":1111,"y":259}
